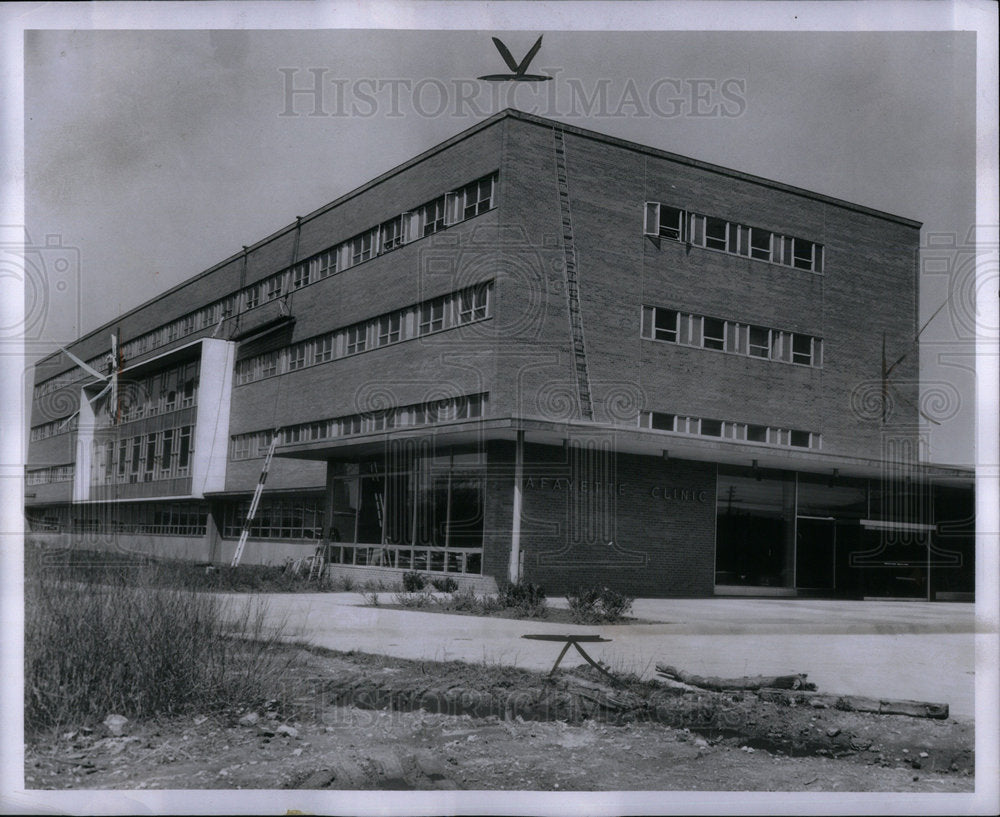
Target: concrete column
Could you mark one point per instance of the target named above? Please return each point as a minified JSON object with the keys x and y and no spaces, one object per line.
{"x":514,"y":568}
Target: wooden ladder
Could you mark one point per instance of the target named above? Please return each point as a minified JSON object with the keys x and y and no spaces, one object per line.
{"x":238,"y":555}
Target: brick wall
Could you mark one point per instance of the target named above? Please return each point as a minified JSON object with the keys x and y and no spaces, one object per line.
{"x":659,"y":515}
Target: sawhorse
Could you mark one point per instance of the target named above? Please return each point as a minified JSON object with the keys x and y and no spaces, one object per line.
{"x":573,"y":641}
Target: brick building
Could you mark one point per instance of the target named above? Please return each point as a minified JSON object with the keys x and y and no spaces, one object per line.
{"x":537,"y":352}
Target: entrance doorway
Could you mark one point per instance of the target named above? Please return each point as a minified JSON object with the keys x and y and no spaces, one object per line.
{"x":815,"y":553}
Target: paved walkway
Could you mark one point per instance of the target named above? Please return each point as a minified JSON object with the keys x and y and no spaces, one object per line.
{"x":914,"y":650}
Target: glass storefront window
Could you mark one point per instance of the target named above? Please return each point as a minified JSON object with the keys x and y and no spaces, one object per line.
{"x":426,"y":510}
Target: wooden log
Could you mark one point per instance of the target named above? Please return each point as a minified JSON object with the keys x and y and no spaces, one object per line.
{"x":795,"y":681}
{"x":857,"y":703}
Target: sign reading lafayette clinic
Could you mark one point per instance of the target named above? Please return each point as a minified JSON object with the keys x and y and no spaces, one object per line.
{"x":659,"y":491}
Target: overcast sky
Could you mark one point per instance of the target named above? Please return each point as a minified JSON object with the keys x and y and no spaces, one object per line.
{"x":156,"y":154}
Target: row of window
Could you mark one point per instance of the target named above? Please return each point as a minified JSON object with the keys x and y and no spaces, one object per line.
{"x":164,"y":518}
{"x":54,"y":473}
{"x":444,"y":211}
{"x":659,"y":323}
{"x":444,"y":312}
{"x":299,"y":518}
{"x":729,"y":430}
{"x":159,"y":393}
{"x":255,"y":444}
{"x":143,"y":458}
{"x":676,"y":224}
{"x":45,"y":430}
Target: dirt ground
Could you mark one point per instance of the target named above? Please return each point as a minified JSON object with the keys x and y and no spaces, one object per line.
{"x":353,"y":721}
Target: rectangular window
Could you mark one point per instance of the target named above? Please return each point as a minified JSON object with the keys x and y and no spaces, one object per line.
{"x":711,"y":428}
{"x":760,"y":341}
{"x":300,"y":276}
{"x":432,"y":316}
{"x":661,"y":421}
{"x":323,"y":348}
{"x":184,"y":454}
{"x":388,"y":329}
{"x":251,"y":298}
{"x":296,"y":357}
{"x":714,"y":334}
{"x":665,"y":325}
{"x":716,"y":233}
{"x":362,"y":247}
{"x":273,"y":287}
{"x":477,"y":197}
{"x":800,"y":439}
{"x":696,"y":233}
{"x":391,"y":234}
{"x":802,"y":257}
{"x":802,"y":349}
{"x":472,"y":304}
{"x":150,"y":459}
{"x":671,"y":223}
{"x":269,"y":364}
{"x":168,"y":452}
{"x":327,"y":265}
{"x":356,"y":337}
{"x":432,"y":216}
{"x":760,"y":244}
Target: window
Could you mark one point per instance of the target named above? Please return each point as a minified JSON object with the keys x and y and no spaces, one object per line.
{"x":715,"y":233}
{"x":802,"y":349}
{"x":803,"y":254}
{"x":300,"y":276}
{"x":711,"y":428}
{"x":273,"y":287}
{"x":760,"y":244}
{"x":165,"y":457}
{"x":714,"y":334}
{"x":269,"y":364}
{"x":388,"y":329}
{"x":251,"y":297}
{"x":662,"y":422}
{"x":296,"y":357}
{"x":362,"y":247}
{"x":800,"y":439}
{"x":323,"y":348}
{"x":356,"y":337}
{"x":665,"y":325}
{"x":671,"y":223}
{"x":760,"y":341}
{"x":150,"y":456}
{"x":477,"y":197}
{"x":327,"y":263}
{"x":432,"y":316}
{"x":432,"y":216}
{"x":184,"y":454}
{"x":757,"y":434}
{"x":391,"y":234}
{"x":472,"y":304}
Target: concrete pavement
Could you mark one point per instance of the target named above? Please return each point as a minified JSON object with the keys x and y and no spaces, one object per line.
{"x":915,"y":650}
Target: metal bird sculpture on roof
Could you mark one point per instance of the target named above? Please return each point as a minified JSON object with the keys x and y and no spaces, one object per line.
{"x":519,"y":69}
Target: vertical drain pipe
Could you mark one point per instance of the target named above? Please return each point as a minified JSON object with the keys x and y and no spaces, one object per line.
{"x":514,"y":569}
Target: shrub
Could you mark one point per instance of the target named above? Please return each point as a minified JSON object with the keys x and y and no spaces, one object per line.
{"x":445,"y":585}
{"x":593,"y":605}
{"x":420,"y":598}
{"x":615,"y":605}
{"x":525,"y":599}
{"x":583,"y":604}
{"x":142,"y":651}
{"x":413,"y":580}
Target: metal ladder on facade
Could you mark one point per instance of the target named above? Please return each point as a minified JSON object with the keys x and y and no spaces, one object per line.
{"x":572,"y":280}
{"x":255,"y":501}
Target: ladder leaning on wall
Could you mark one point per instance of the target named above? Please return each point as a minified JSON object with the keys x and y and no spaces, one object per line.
{"x":256,"y":500}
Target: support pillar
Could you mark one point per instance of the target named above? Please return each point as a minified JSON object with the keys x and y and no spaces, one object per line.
{"x":515,"y":565}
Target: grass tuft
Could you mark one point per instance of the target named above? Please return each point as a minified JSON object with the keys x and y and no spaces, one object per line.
{"x":108,"y":640}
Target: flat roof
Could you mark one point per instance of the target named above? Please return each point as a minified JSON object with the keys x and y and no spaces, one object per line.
{"x":465,"y":134}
